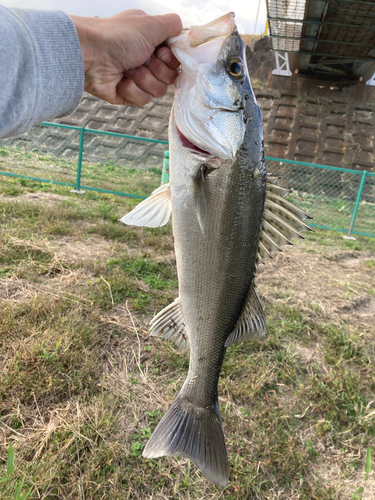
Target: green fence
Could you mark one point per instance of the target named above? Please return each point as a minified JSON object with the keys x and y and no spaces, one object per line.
{"x":85,"y":159}
{"x":337,"y":198}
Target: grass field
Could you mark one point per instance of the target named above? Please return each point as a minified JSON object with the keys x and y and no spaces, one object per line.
{"x":332,"y":208}
{"x":82,"y":385}
{"x":123,"y":177}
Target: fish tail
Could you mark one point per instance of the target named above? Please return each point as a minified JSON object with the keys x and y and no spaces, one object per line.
{"x":193,"y":432}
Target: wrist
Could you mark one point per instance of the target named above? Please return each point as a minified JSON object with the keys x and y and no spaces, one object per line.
{"x":86,"y":28}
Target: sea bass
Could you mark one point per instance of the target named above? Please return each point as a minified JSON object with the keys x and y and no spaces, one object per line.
{"x":228,"y":216}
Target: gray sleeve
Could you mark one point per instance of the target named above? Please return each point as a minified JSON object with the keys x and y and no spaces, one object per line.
{"x":41,"y":68}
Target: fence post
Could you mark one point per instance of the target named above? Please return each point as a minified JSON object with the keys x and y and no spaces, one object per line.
{"x":356,"y":204}
{"x":165,"y":174}
{"x":79,"y":165}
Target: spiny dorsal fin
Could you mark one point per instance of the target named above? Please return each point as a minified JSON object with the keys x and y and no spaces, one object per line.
{"x":252,"y":322}
{"x":279,"y":224}
{"x":285,"y":215}
{"x":269,"y":244}
{"x":278,"y":237}
{"x":263,"y":252}
{"x":272,"y":179}
{"x":169,"y":324}
{"x":279,"y":200}
{"x":152,"y":212}
{"x":274,"y":188}
{"x":282,"y":221}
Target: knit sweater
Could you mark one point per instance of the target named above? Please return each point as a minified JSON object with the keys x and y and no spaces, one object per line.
{"x":41,"y":68}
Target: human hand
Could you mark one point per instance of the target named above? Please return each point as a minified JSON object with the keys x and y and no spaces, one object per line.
{"x":123,"y":64}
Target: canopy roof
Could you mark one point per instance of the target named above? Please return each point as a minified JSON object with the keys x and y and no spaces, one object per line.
{"x":332,"y":36}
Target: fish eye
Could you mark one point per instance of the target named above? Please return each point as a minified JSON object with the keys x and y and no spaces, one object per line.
{"x":235,"y":68}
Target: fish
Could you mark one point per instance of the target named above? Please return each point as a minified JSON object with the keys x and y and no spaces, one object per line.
{"x":228,"y":216}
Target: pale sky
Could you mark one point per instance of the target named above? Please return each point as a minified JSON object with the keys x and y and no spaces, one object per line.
{"x":192,"y":12}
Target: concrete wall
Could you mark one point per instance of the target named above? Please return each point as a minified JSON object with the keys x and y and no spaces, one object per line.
{"x":150,"y":121}
{"x":306,"y":119}
{"x":320,"y":121}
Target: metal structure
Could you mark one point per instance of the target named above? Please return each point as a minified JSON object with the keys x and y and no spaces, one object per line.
{"x":331,"y":36}
{"x":282,"y":65}
{"x":94,"y":160}
{"x":371,"y":81}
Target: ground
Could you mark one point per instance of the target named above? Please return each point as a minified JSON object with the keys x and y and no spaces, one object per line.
{"x":82,"y":385}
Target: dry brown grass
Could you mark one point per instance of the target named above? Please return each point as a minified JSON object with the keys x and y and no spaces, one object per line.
{"x":247,"y":39}
{"x":77,"y":364}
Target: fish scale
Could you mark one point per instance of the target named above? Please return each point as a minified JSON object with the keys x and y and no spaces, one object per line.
{"x":227,"y":252}
{"x":228,"y":218}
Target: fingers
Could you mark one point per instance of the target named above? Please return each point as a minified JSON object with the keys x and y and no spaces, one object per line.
{"x":150,"y":80}
{"x":146,"y":81}
{"x":165,"y":55}
{"x":132,"y":94}
{"x":161,"y":71}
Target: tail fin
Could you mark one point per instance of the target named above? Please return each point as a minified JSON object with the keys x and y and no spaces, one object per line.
{"x":196,"y":433}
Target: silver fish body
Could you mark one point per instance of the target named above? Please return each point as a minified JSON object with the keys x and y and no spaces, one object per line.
{"x":217,"y":194}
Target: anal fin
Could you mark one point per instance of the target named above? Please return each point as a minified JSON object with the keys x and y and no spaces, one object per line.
{"x":252,"y":322}
{"x":169,"y":324}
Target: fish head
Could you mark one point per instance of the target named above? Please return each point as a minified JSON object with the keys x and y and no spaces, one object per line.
{"x":208,"y":116}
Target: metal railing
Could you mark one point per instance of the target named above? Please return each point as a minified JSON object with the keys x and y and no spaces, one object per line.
{"x":84,"y":159}
{"x":338,"y":198}
{"x":108,"y":162}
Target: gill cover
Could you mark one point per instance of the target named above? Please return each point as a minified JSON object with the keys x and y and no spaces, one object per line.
{"x":208,"y":108}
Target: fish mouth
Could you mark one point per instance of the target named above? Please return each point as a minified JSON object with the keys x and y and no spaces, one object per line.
{"x":187,"y":144}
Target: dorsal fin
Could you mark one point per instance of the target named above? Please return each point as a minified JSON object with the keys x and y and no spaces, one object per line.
{"x":282,"y":221}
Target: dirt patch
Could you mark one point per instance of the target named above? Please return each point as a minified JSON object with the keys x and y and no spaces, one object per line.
{"x":351,"y":259}
{"x":309,"y":355}
{"x":332,"y":466}
{"x":14,"y":289}
{"x":94,"y":248}
{"x":330,"y":285}
{"x":364,"y":306}
{"x":367,"y":308}
{"x":38,"y":197}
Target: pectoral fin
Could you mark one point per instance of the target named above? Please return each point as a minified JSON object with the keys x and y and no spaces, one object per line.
{"x":200,"y":198}
{"x":152,"y":212}
{"x":252,"y":322}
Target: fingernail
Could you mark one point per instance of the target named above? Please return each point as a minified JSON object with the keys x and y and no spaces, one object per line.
{"x":165,"y":56}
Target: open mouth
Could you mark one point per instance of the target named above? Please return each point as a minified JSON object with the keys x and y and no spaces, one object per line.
{"x":189,"y":145}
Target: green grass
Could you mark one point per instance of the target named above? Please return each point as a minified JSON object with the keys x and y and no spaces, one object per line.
{"x":130,"y":177}
{"x":82,"y":378}
{"x":328,"y":195}
{"x":335,"y":212}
